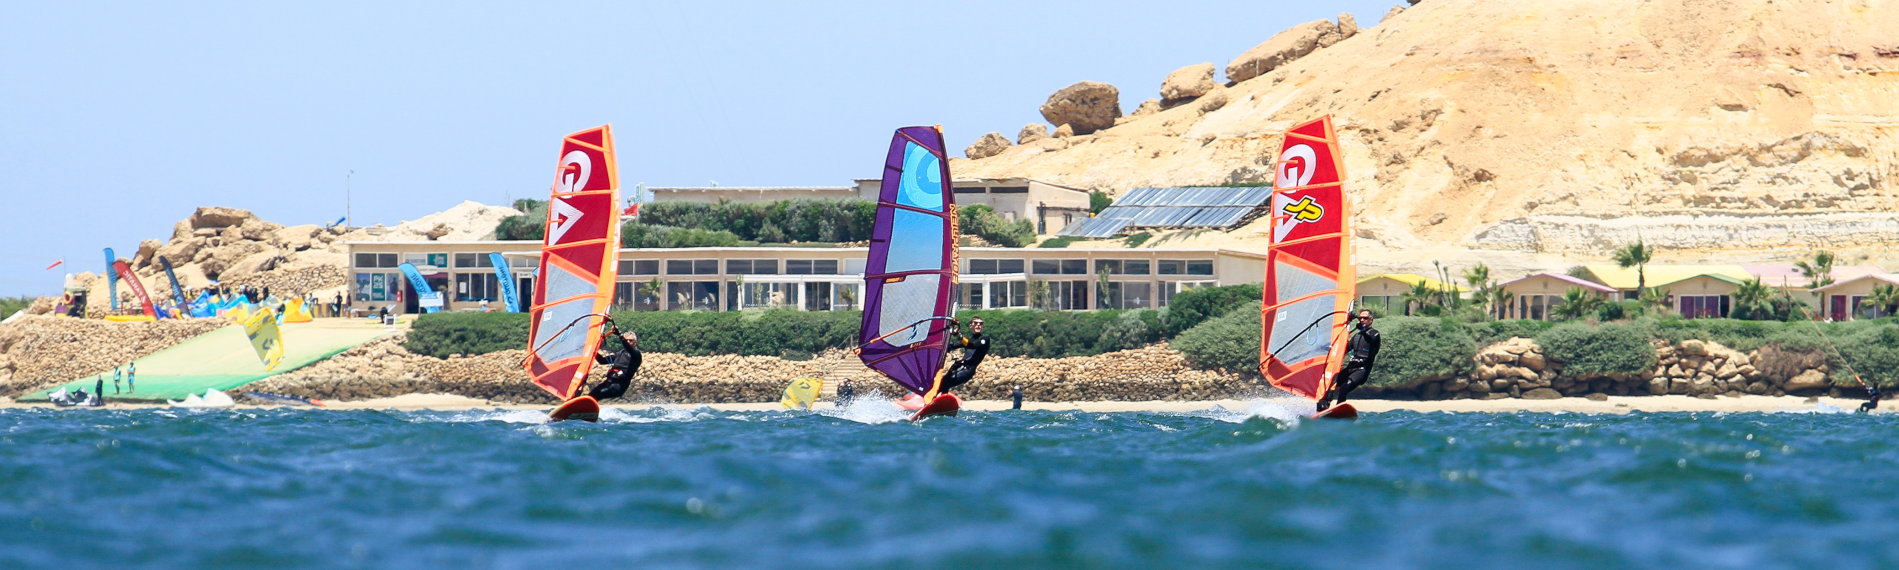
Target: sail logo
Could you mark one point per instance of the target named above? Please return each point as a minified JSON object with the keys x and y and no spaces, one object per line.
{"x":1305,"y":210}
{"x":560,"y":217}
{"x":1296,"y":166}
{"x":575,"y":169}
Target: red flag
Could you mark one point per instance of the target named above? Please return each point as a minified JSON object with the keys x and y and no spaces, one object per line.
{"x":55,"y":264}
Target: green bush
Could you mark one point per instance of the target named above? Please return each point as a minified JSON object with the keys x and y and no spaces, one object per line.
{"x":1039,"y":334}
{"x":442,"y":334}
{"x":1872,"y":352}
{"x":1420,"y":348}
{"x":781,"y":221}
{"x":1194,"y":306}
{"x":1098,"y":201}
{"x":1492,"y":332}
{"x":1606,"y":349}
{"x":1059,"y":242}
{"x":1229,"y":341}
{"x":1056,"y":334}
{"x":980,"y":220}
{"x":636,"y":234}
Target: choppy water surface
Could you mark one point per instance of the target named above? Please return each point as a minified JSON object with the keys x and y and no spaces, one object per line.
{"x":685,"y":488}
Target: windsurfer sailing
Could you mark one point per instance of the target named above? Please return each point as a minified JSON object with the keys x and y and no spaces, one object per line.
{"x":1361,"y":351}
{"x":625,"y":364}
{"x":975,"y":347}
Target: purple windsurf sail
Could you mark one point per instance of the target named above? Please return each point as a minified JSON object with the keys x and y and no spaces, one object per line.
{"x":910,"y":276}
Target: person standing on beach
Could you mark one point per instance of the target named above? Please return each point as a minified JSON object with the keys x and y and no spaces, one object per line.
{"x":1361,"y":351}
{"x":117,"y":373}
{"x":1016,"y":395}
{"x":975,"y":347}
{"x":131,"y":377}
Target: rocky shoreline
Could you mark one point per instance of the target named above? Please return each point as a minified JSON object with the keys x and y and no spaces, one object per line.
{"x":1517,"y":368}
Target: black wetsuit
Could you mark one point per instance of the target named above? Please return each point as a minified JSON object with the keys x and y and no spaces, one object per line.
{"x":624,"y":364}
{"x":845,"y":392}
{"x":974,"y":349}
{"x":1872,"y":400}
{"x":1361,"y":352}
{"x":1016,"y":395}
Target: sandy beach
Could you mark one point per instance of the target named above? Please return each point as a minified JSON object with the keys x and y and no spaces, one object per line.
{"x":1612,"y":405}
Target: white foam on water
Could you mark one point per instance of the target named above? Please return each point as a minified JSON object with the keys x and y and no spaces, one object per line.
{"x":1287,"y":410}
{"x":1819,"y":408}
{"x":654,"y":414}
{"x":509,"y":416}
{"x":869,"y":408}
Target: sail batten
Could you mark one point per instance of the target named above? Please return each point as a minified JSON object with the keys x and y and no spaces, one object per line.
{"x":910,"y":275}
{"x":1311,"y":278}
{"x":579,"y":263}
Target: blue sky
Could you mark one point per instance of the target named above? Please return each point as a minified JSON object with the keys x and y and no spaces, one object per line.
{"x":117,"y":120}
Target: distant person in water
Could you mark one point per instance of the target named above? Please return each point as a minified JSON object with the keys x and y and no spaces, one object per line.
{"x":1016,"y":395}
{"x":974,"y":346}
{"x":846,"y":392}
{"x":1361,"y":351}
{"x":625,"y":364}
{"x":1872,"y":400}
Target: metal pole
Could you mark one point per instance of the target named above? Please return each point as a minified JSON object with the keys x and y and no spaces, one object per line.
{"x":349,"y":205}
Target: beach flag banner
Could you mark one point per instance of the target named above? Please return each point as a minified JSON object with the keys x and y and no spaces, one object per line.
{"x":425,"y":296}
{"x":112,"y":279}
{"x":504,"y":276}
{"x":138,"y":289}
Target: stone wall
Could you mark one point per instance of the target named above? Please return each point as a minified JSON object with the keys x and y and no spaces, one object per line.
{"x":1517,"y":368}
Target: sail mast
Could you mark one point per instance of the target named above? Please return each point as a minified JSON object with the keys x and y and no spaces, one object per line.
{"x":1311,"y":275}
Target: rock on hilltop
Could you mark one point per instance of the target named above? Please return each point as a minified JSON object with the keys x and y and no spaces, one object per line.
{"x":1527,"y":125}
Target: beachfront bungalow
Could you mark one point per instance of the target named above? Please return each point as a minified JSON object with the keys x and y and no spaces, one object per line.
{"x":1844,"y":299}
{"x":805,"y":278}
{"x":1788,"y":279}
{"x":1695,"y":290}
{"x":1705,"y":296}
{"x":1533,"y":296}
{"x":1386,"y":292}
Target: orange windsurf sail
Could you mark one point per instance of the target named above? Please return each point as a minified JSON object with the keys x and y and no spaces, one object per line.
{"x":1310,"y":270}
{"x":579,"y":263}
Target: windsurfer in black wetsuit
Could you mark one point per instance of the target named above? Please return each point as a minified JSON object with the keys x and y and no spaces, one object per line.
{"x":623,"y":364}
{"x":975,"y":347}
{"x":1361,"y":351}
{"x":1872,"y":400}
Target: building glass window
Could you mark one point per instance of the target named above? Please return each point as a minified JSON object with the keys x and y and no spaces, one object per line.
{"x":377,"y":260}
{"x":1170,"y":267}
{"x":1060,"y":295}
{"x":623,"y":294}
{"x":678,"y":267}
{"x":1200,"y":267}
{"x":1008,"y":294}
{"x":641,"y":267}
{"x":994,"y":266}
{"x":972,"y":296}
{"x":817,"y":296}
{"x":768,"y":295}
{"x":463,"y":260}
{"x":1135,"y":267}
{"x":751,"y":267}
{"x":477,"y":287}
{"x":1111,"y":266}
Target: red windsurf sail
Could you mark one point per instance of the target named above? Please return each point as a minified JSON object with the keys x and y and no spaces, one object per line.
{"x":138,"y":288}
{"x":1310,"y":271}
{"x":579,"y":263}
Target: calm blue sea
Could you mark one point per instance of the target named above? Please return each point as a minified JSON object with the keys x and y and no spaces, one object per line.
{"x":696,"y":488}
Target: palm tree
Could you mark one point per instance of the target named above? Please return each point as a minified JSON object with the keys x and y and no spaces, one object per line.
{"x":1576,"y":303}
{"x":1479,"y":279}
{"x":1885,"y":298}
{"x":1656,"y":300}
{"x":650,"y":290}
{"x":1752,"y":300}
{"x":1420,"y":295}
{"x":1501,"y":300}
{"x":1819,"y":270}
{"x":1636,"y":255}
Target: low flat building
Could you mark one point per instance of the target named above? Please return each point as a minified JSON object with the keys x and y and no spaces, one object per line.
{"x":1846,"y":300}
{"x":805,"y":278}
{"x":1625,"y":280}
{"x":1705,"y":296}
{"x":1050,"y":206}
{"x":1532,"y":297}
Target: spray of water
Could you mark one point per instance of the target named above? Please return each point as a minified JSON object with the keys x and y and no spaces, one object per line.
{"x":869,"y":408}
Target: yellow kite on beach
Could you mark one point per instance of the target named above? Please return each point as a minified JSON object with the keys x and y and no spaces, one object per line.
{"x":261,"y":327}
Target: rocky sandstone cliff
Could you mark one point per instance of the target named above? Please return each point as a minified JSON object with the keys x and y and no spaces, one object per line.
{"x":1477,"y":127}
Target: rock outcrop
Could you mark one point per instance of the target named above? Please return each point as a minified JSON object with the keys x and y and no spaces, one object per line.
{"x":40,"y":352}
{"x":1084,"y":107}
{"x":1031,"y":133}
{"x":1283,"y":48}
{"x":989,"y":145}
{"x":1187,"y":83}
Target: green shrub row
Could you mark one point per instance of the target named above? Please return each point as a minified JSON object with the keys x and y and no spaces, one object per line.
{"x":1037,"y":334}
{"x":1194,"y":306}
{"x":728,"y":224}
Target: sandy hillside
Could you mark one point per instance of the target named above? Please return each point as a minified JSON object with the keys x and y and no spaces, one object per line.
{"x":1532,"y":133}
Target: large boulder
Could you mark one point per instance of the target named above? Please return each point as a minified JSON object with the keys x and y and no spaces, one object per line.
{"x":146,"y":249}
{"x":1031,"y":132}
{"x":1809,"y":380}
{"x":219,"y":217}
{"x":258,"y":230}
{"x":1187,"y":83}
{"x":1348,"y":26}
{"x":1282,"y":49}
{"x":989,"y":145}
{"x":1086,"y":107}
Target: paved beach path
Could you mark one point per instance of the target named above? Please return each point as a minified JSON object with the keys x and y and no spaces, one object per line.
{"x":223,"y":359}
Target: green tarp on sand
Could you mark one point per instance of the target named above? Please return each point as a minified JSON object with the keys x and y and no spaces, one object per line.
{"x":223,"y":359}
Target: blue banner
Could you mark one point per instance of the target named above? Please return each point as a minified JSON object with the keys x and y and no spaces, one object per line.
{"x":177,"y":292}
{"x":425,"y":296}
{"x":506,"y":278}
{"x":112,"y":280}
